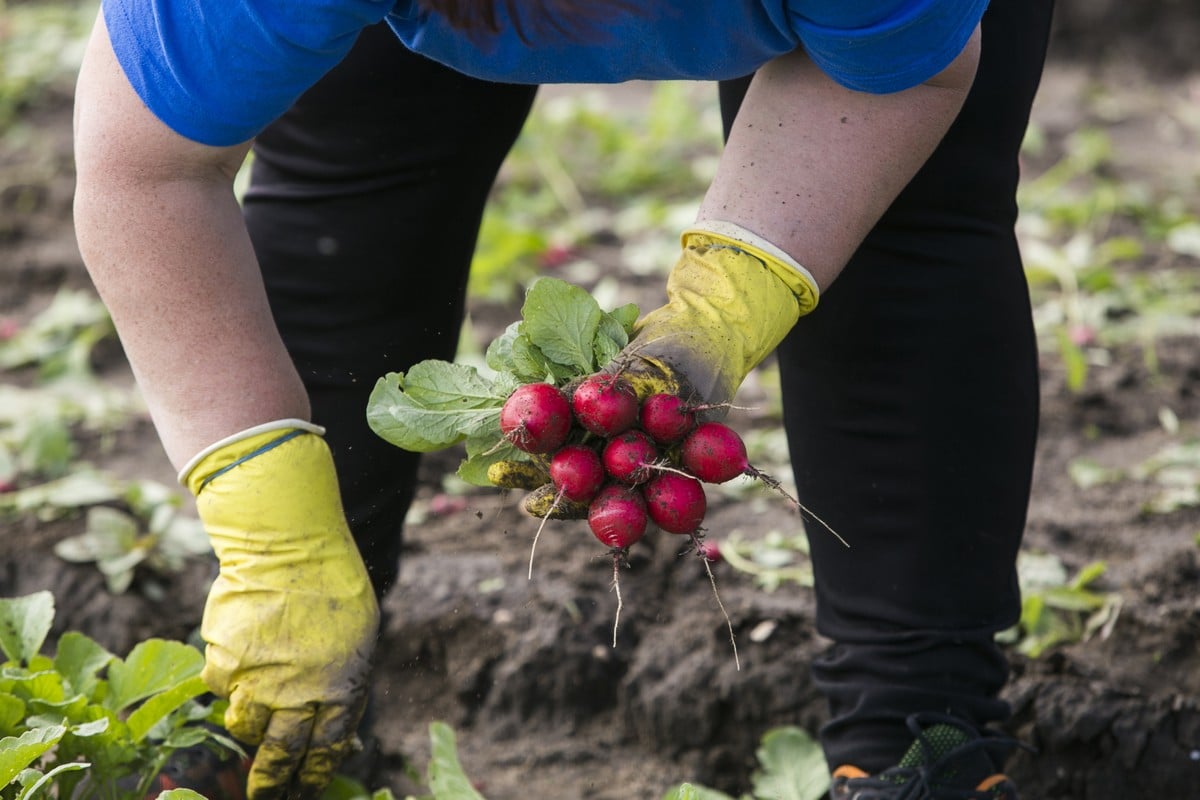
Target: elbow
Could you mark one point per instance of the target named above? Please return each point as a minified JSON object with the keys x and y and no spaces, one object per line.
{"x":960,"y":73}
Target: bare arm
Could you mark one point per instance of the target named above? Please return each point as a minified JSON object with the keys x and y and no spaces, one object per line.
{"x":811,"y":166}
{"x":163,"y":239}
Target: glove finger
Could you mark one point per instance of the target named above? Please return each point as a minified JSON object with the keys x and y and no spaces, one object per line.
{"x":517,"y":475}
{"x":541,"y":503}
{"x":277,"y":760}
{"x":333,"y":738}
{"x":647,"y":374}
{"x":245,"y":719}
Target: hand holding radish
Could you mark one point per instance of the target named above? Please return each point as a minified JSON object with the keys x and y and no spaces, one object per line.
{"x":731,"y":298}
{"x":600,"y":414}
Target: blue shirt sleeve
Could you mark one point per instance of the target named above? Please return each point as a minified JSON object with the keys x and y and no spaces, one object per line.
{"x":876,"y":46}
{"x":219,"y":72}
{"x":882,"y":46}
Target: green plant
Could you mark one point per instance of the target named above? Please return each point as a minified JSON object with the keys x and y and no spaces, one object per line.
{"x":41,"y":45}
{"x":152,"y":533}
{"x":773,"y":560}
{"x":40,"y":423}
{"x":445,"y":777}
{"x":1174,"y":470}
{"x":130,"y":525}
{"x":791,"y":766}
{"x":1057,"y":609}
{"x":1086,"y":270}
{"x":60,"y":339}
{"x":436,"y":404}
{"x":90,"y":724}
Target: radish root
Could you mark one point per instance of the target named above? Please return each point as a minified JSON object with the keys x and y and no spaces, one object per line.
{"x":617,"y":588}
{"x":777,"y":486}
{"x":712,"y":579}
{"x":557,"y":499}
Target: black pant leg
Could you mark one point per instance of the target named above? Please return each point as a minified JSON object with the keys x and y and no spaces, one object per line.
{"x":364,"y":208}
{"x":911,"y":402}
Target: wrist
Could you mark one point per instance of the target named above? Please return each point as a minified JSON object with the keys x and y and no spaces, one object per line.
{"x":798,"y":279}
{"x":225,"y":453}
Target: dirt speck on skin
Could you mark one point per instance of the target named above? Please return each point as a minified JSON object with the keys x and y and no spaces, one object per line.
{"x":524,"y":670}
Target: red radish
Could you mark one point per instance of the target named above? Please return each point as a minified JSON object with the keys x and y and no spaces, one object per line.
{"x":576,"y":471}
{"x":629,"y":456}
{"x":709,"y":551}
{"x":714,"y":453}
{"x":617,"y":516}
{"x":536,"y":418}
{"x":667,"y":418}
{"x":605,"y":404}
{"x":675,"y":502}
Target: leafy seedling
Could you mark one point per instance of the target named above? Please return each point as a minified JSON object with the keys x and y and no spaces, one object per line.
{"x":86,"y":724}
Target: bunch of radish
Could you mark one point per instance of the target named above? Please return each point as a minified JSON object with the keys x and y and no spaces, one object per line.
{"x":623,"y":464}
{"x":631,"y":463}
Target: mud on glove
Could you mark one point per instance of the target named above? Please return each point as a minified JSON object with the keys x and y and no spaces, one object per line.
{"x":731,"y":298}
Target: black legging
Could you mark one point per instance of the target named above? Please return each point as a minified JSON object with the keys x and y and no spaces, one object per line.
{"x":910,"y":395}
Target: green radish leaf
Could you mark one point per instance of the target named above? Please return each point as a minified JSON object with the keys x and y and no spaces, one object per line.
{"x":792,"y":766}
{"x":605,"y":349}
{"x":153,"y":666}
{"x":1065,"y":598}
{"x":18,"y":752}
{"x":499,"y":353}
{"x":612,"y":328}
{"x":24,"y":625}
{"x":434,"y":406}
{"x":1073,"y":360}
{"x":529,"y":363}
{"x":88,"y":729}
{"x":44,"y":780}
{"x":688,"y":791}
{"x":185,"y":737}
{"x":180,"y":794}
{"x":561,"y":320}
{"x":343,"y":787}
{"x":1088,"y":574}
{"x":446,"y":776}
{"x":626,"y":316}
{"x":482,"y":452}
{"x":12,"y":711}
{"x":160,"y":705}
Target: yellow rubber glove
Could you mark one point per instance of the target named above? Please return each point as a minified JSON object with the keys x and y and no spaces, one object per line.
{"x":731,"y":298}
{"x":291,"y":621}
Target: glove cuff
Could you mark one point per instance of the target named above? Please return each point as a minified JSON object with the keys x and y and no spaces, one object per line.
{"x":196,"y":482}
{"x":786,"y":268}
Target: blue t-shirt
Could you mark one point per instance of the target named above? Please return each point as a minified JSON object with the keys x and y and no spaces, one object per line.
{"x":219,"y":71}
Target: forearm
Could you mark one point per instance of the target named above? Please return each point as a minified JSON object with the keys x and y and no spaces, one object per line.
{"x":811,"y":166}
{"x":163,"y":239}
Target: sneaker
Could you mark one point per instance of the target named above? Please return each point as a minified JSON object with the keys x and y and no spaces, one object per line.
{"x":948,"y":760}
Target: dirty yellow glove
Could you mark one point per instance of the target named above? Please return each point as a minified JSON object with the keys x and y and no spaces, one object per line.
{"x":291,"y":621}
{"x":731,"y":298}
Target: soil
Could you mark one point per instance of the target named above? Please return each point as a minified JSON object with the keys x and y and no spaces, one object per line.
{"x":525,"y":671}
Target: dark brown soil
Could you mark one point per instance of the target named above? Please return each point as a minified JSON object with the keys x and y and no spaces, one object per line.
{"x":526,"y":672}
